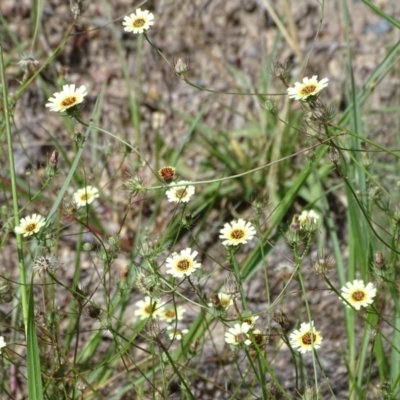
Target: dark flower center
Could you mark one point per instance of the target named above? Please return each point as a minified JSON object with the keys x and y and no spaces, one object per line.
{"x":183,"y":265}
{"x":241,"y":337}
{"x":306,"y":339}
{"x":170,"y":313}
{"x":309,"y":89}
{"x":139,"y":22}
{"x":358,"y":296}
{"x":150,"y":308}
{"x":68,"y":101}
{"x":31,"y":227}
{"x":237,"y":234}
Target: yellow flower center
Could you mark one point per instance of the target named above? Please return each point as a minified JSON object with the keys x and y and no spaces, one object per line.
{"x":240,"y":338}
{"x":170,"y":313}
{"x":306,"y":338}
{"x":181,"y":193}
{"x":84,"y":197}
{"x":139,"y":22}
{"x":358,"y":295}
{"x":183,"y":265}
{"x":237,"y":234}
{"x":31,"y":227}
{"x":68,"y":101}
{"x":149,"y":309}
{"x":309,"y":89}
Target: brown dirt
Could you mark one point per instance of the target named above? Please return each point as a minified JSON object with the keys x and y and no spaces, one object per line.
{"x":212,"y":35}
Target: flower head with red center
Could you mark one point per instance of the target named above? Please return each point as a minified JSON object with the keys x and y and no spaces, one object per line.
{"x":30,"y":225}
{"x":358,"y":294}
{"x":309,"y":87}
{"x":306,"y":338}
{"x":238,"y":335}
{"x":67,"y":98}
{"x":138,"y":22}
{"x":182,"y":264}
{"x":180,"y":193}
{"x":237,"y":232}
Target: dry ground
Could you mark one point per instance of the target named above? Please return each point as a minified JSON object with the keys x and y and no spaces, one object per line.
{"x":212,"y":34}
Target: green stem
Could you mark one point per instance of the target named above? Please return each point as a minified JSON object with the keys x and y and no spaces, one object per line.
{"x":303,"y":289}
{"x":236,"y":270}
{"x":21,"y":263}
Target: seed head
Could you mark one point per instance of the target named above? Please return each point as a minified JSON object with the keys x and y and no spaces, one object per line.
{"x":93,"y":311}
{"x":295,"y":224}
{"x":87,"y":246}
{"x":53,"y":160}
{"x":280,"y":318}
{"x":134,"y":185}
{"x":29,"y":66}
{"x":379,"y":260}
{"x":48,"y":263}
{"x":215,"y":301}
{"x":193,"y":346}
{"x":280,"y":69}
{"x":6,"y":294}
{"x":334,"y":155}
{"x":150,"y":249}
{"x":323,"y":265}
{"x":231,"y":285}
{"x":153,"y":327}
{"x":125,"y":274}
{"x":181,"y":68}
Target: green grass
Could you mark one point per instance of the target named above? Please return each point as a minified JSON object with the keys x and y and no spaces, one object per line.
{"x":70,"y":311}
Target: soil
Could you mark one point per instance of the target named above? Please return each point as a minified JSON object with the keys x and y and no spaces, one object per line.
{"x":226,"y":44}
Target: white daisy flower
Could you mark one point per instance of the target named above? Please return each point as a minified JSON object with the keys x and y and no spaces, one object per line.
{"x":357,"y":294}
{"x":180,"y":194}
{"x":171,"y":314}
{"x":238,"y":334}
{"x":67,"y":98}
{"x":139,"y":22}
{"x":306,"y":338}
{"x":2,"y":343}
{"x":85,"y":196}
{"x":147,"y":308}
{"x":175,"y":333}
{"x":182,"y":264}
{"x":30,"y":225}
{"x":237,"y":232}
{"x":309,"y":87}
